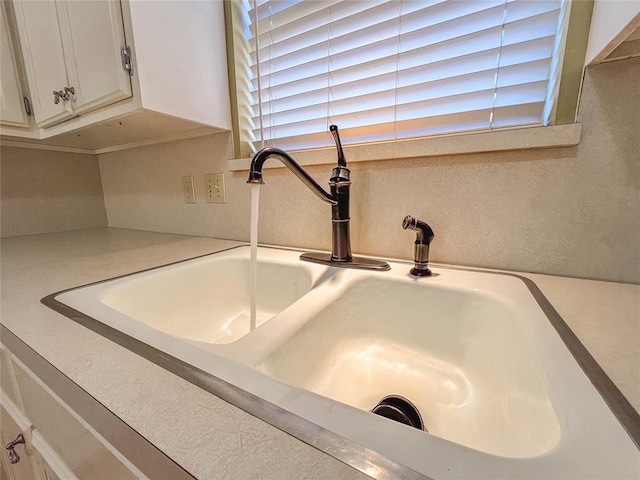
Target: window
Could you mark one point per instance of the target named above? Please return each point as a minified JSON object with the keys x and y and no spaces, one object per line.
{"x":387,"y":70}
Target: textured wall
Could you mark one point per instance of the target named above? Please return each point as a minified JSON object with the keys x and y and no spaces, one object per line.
{"x":567,"y":211}
{"x":45,"y":191}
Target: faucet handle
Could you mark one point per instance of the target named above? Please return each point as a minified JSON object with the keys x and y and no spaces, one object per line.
{"x":342,"y":162}
{"x":341,"y":173}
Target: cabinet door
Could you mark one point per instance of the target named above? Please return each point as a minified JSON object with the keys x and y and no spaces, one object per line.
{"x":48,"y":464}
{"x":41,"y":46}
{"x":38,"y":461}
{"x":66,"y":436}
{"x":92,"y":38}
{"x":10,"y":427}
{"x":12,"y":111}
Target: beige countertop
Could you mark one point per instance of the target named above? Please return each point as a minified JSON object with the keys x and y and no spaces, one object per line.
{"x":216,"y":439}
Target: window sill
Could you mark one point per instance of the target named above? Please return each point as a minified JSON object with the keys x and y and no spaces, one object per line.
{"x":455,"y":144}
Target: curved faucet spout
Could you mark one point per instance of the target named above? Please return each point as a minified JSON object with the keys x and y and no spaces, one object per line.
{"x":255,"y":172}
{"x":340,"y":185}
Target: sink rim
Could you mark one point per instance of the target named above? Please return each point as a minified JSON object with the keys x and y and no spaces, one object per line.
{"x":355,"y":454}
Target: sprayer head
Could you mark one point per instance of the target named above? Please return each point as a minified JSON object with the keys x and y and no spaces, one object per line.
{"x":424,"y":232}
{"x":409,"y":223}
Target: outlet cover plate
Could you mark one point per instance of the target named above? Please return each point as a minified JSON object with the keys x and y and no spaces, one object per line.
{"x":214,"y":189}
{"x":188,"y":191}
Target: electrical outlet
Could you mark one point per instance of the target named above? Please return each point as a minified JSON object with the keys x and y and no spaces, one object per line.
{"x":214,"y":188}
{"x":187,"y":189}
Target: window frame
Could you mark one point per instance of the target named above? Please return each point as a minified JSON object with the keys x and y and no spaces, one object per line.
{"x":562,"y":129}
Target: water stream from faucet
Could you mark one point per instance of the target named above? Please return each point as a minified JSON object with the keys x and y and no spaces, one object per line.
{"x":253,"y":264}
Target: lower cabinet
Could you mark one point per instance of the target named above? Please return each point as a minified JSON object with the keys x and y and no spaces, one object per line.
{"x":34,"y":459}
{"x":11,"y":425}
{"x":58,"y":443}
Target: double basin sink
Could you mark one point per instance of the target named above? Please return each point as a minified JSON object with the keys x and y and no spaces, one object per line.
{"x":478,"y":354}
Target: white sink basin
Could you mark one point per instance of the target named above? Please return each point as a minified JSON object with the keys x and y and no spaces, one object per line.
{"x":461,"y":357}
{"x":205,"y":300}
{"x":500,"y":393}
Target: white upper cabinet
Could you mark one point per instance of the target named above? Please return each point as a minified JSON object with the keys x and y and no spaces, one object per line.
{"x":72,"y":56}
{"x":176,"y":87}
{"x":12,"y":109}
{"x":612,"y":21}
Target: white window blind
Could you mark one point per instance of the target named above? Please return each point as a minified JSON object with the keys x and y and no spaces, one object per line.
{"x":385,"y":70}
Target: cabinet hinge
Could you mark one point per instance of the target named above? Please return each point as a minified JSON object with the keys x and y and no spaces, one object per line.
{"x":27,"y":105}
{"x":127,"y":63}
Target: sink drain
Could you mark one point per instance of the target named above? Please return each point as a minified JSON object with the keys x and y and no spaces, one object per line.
{"x":399,"y":409}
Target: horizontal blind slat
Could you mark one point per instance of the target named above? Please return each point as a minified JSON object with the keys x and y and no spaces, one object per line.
{"x":522,"y":114}
{"x":517,"y":11}
{"x":527,"y":29}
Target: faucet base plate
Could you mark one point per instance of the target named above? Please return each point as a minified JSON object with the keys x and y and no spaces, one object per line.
{"x":361,"y":263}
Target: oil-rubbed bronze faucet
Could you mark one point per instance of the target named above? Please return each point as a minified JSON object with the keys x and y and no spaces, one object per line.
{"x":340,"y":185}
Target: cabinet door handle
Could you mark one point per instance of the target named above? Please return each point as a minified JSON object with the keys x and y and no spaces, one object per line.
{"x":64,"y":95}
{"x":68,"y":91}
{"x":11,"y":447}
{"x":57,"y":96}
